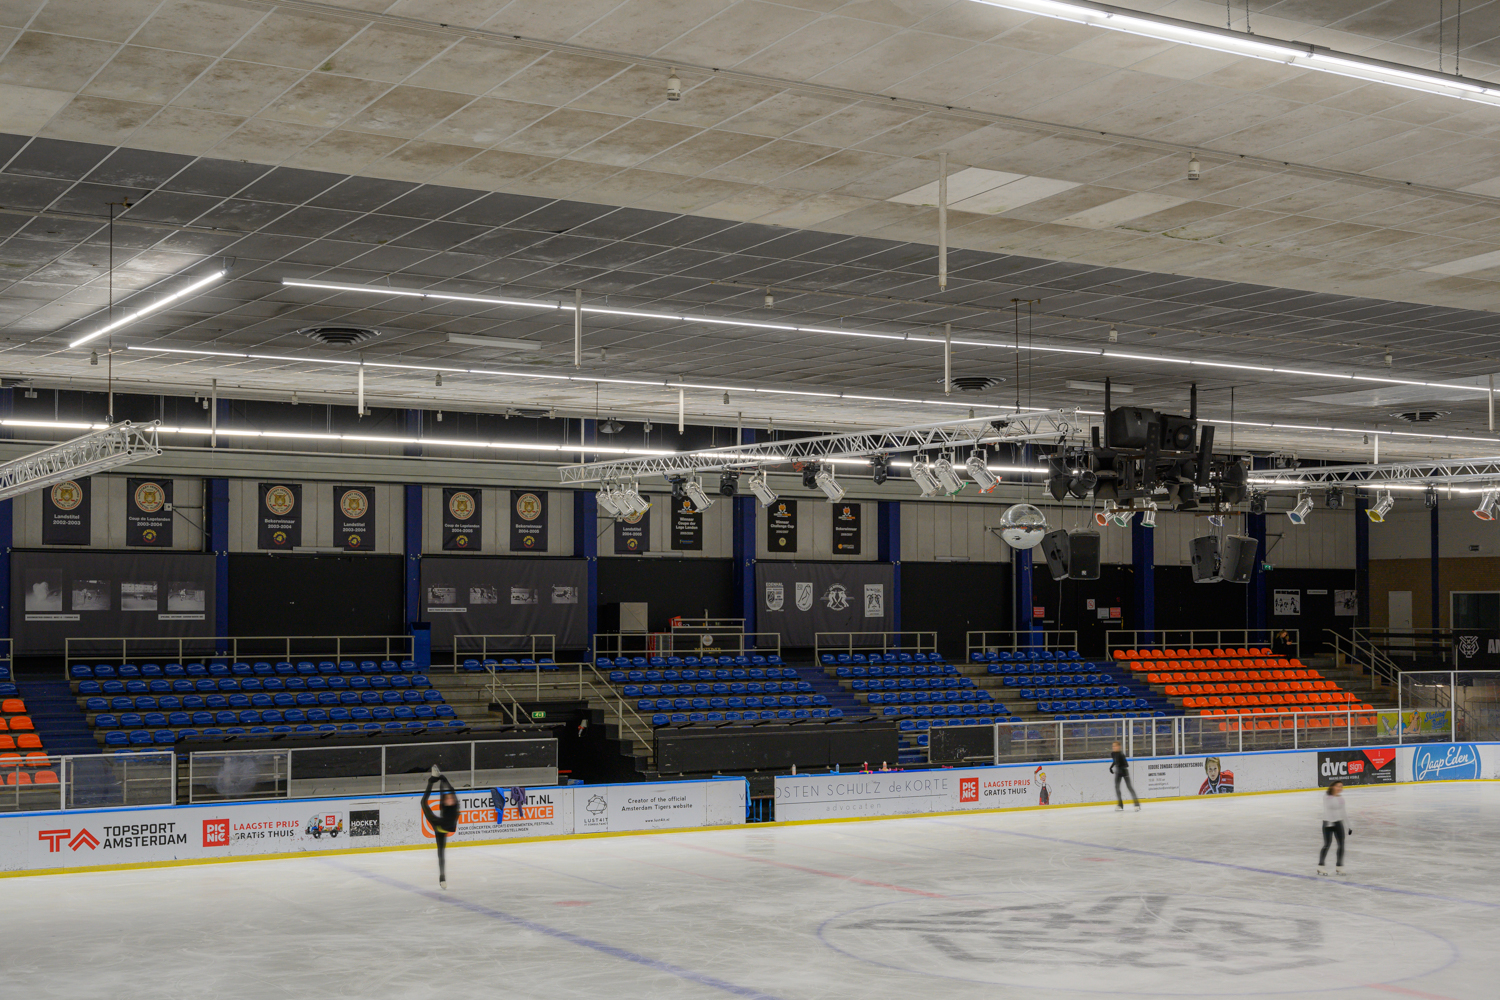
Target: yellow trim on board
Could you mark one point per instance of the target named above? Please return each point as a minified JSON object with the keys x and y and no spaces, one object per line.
{"x":691,"y":829}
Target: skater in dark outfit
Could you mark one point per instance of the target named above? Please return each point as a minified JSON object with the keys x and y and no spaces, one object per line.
{"x":1335,"y":826}
{"x":1120,"y":768}
{"x":445,"y":821}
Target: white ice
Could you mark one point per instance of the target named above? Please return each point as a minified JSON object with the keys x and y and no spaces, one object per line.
{"x":1185,"y":899}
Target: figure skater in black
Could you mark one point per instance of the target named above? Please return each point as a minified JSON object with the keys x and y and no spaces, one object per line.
{"x":445,"y":821}
{"x":1120,"y":768}
{"x":1335,"y":827}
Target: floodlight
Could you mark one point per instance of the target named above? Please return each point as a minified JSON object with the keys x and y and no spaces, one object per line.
{"x":1383,"y":504}
{"x":924,"y":479}
{"x":696,"y":496}
{"x":1486,"y":509}
{"x":607,"y":501}
{"x":952,"y":482}
{"x":829,"y":485}
{"x":979,"y":471}
{"x":1122,"y":517}
{"x":762,"y":492}
{"x":1148,"y":516}
{"x":630,"y":501}
{"x":1107,"y":515}
{"x":1082,"y":483}
{"x":1217,"y":520}
{"x":1298,"y":514}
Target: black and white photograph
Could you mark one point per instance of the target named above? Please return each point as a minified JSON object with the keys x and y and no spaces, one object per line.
{"x":484,"y":595}
{"x":139,"y":595}
{"x":442,"y":596}
{"x":186,"y":595}
{"x":92,"y":595}
{"x":44,"y":591}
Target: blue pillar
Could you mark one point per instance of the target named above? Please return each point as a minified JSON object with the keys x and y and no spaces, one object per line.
{"x":1255,"y":593}
{"x":744,"y":558}
{"x":1025,"y":615}
{"x":413,"y":550}
{"x":1143,"y":565}
{"x":888,"y":550}
{"x":1361,"y":560}
{"x":7,"y":537}
{"x":217,"y":496}
{"x":586,"y":546}
{"x":1437,"y":592}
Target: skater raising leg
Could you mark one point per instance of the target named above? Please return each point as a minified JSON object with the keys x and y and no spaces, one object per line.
{"x":445,"y":821}
{"x":1120,"y":768}
{"x":1335,"y":826}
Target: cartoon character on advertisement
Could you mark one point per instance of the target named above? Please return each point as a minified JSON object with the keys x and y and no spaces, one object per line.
{"x":1044,"y":794}
{"x":1219,"y":781}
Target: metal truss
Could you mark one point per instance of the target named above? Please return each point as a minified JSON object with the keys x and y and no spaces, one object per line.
{"x":1046,"y":425}
{"x":1455,"y":471}
{"x":109,"y":448}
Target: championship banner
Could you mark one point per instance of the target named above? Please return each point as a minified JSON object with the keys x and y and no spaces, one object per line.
{"x":280,"y":521}
{"x":781,"y":526}
{"x":846,"y":529}
{"x":354,"y":517}
{"x":633,"y":533}
{"x":687,"y":526}
{"x":463,"y":519}
{"x":66,"y":516}
{"x":148,"y":512}
{"x":528,"y":521}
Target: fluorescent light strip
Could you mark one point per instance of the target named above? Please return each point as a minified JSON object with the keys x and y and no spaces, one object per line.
{"x":1300,"y":55}
{"x":156,"y":306}
{"x":1098,"y":352}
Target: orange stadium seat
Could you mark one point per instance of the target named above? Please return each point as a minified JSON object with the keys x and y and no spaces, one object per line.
{"x":18,"y":778}
{"x":44,"y":778}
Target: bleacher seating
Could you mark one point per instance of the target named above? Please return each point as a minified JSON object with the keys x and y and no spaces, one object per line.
{"x":509,"y":664}
{"x":717,"y":690}
{"x":157,"y":705}
{"x":23,"y":760}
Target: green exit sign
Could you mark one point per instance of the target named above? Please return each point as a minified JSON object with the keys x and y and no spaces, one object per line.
{"x":538,"y":715}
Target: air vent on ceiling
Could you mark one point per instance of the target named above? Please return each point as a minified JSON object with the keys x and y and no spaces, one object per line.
{"x":974,"y":383}
{"x":339,"y":335}
{"x":1420,"y":416}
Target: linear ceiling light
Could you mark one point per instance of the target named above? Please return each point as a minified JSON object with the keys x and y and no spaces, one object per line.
{"x":562,"y":307}
{"x":156,"y":306}
{"x":1239,"y":43}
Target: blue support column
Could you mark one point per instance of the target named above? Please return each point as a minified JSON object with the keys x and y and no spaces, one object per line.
{"x":1255,"y":592}
{"x":586,"y":546}
{"x":888,"y":548}
{"x":7,"y":537}
{"x":1361,"y":560}
{"x":743,"y":528}
{"x":1437,"y":591}
{"x":1143,"y":565}
{"x":1025,"y":615}
{"x":412,"y":547}
{"x":217,"y":508}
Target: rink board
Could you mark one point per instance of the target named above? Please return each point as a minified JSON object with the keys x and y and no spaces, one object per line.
{"x":89,"y":838}
{"x":904,"y":793}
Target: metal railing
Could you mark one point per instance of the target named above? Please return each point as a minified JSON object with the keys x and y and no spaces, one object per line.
{"x":684,"y":642}
{"x":1356,"y":649}
{"x":1446,"y":705}
{"x":1223,"y":638}
{"x":310,"y":772}
{"x":577,"y":681}
{"x":866,"y":642}
{"x":182,"y":649}
{"x":88,"y":781}
{"x":501,"y":644}
{"x":1058,"y":740}
{"x":1001,"y":640}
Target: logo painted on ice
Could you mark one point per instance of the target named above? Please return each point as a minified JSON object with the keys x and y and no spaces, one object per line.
{"x":775,"y":596}
{"x":1445,"y":762}
{"x":837,"y":598}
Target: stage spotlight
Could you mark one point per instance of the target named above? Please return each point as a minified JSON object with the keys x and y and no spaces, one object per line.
{"x":924,"y":479}
{"x":951,"y":481}
{"x":729,"y":483}
{"x":1058,"y":477}
{"x":829,"y":485}
{"x":1486,"y":509}
{"x":700,"y":500}
{"x":1335,"y":498}
{"x":1430,"y":497}
{"x":880,"y":469}
{"x":979,"y":471}
{"x":809,"y":476}
{"x":629,"y":500}
{"x":1217,"y":520}
{"x":1122,"y":518}
{"x":1298,"y":514}
{"x":1082,"y":483}
{"x":762,"y":492}
{"x":1383,"y":504}
{"x":677,"y":483}
{"x":606,"y":500}
{"x":1148,"y":516}
{"x":1257,"y":503}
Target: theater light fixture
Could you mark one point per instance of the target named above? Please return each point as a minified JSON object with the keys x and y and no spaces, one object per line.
{"x":1430,"y":497}
{"x":1217,"y":520}
{"x":156,"y":306}
{"x":951,"y":482}
{"x":979,"y":471}
{"x":606,"y":499}
{"x":729,"y":483}
{"x":1148,"y":516}
{"x":1298,"y":514}
{"x":880,"y":469}
{"x":1335,"y":498}
{"x":1258,"y":503}
{"x":1383,"y":504}
{"x":628,"y":498}
{"x":701,"y":501}
{"x":762,"y":492}
{"x":829,"y":485}
{"x":1082,"y":483}
{"x":1487,"y":501}
{"x":925,"y":480}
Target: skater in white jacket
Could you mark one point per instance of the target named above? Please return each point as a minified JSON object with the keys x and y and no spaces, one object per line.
{"x":1335,"y":826}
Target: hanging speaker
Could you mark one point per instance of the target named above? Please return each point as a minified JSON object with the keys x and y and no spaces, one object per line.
{"x":1206,"y":559}
{"x":1083,"y":551}
{"x":1239,"y":558}
{"x":1055,"y":548}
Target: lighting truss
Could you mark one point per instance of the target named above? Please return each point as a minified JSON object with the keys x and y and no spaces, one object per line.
{"x":1047,"y":425}
{"x":98,"y":451}
{"x":1398,"y":475}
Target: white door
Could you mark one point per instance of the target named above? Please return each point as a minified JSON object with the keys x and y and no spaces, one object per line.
{"x":1399,"y":620}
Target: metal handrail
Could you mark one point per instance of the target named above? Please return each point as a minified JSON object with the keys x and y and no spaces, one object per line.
{"x":64,"y":768}
{"x":665,"y":643}
{"x":1051,"y":639}
{"x":227,"y":648}
{"x":539,"y":644}
{"x":1161,"y":638}
{"x":589,"y":681}
{"x":1358,"y":649}
{"x":885,"y":642}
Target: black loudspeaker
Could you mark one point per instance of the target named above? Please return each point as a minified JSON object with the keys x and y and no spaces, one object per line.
{"x":1240,"y":552}
{"x":1128,"y":426}
{"x":1206,"y":559}
{"x":1083,"y":549}
{"x":1055,"y":548}
{"x":1178,"y":433}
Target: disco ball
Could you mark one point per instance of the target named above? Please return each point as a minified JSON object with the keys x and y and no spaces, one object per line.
{"x":1023,"y":526}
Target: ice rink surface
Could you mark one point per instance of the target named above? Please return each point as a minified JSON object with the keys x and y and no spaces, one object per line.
{"x":1208,"y":898}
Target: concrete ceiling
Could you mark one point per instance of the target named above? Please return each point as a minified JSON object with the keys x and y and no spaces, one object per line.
{"x":527,"y":147}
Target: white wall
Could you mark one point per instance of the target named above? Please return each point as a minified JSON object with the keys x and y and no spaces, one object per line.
{"x":1407,"y":532}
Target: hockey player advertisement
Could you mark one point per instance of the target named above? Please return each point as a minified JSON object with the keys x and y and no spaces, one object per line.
{"x":687,"y":526}
{"x":463,"y":519}
{"x":781,"y":526}
{"x":66,"y":518}
{"x":148,"y":513}
{"x":528,"y":521}
{"x":280,"y":522}
{"x":354,"y":517}
{"x":1357,"y":767}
